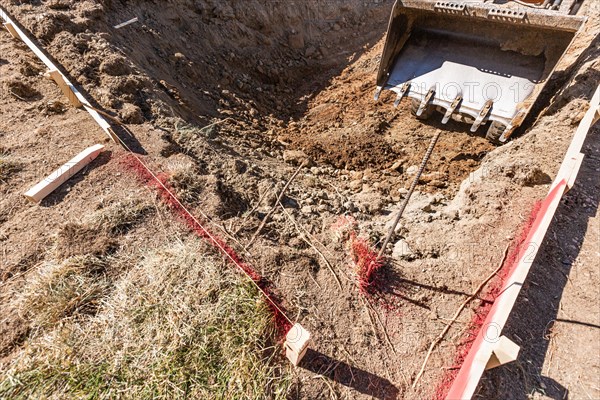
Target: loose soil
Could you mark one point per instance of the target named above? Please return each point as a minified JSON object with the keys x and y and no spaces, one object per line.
{"x":227,"y":99}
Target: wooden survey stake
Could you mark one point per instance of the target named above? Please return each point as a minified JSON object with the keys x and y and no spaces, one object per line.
{"x":65,"y":87}
{"x":296,"y":343}
{"x":505,"y":351}
{"x":11,"y":29}
{"x":15,"y":30}
{"x":61,"y":175}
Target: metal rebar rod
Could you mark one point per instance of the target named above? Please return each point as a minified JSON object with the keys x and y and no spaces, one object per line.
{"x":415,"y":181}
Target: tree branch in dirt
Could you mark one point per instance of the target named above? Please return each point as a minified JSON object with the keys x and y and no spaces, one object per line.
{"x":441,"y":336}
{"x":303,"y":237}
{"x":270,"y":213}
{"x":258,"y":203}
{"x":385,"y":334}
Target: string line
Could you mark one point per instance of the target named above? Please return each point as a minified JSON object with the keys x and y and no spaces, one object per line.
{"x":212,"y":238}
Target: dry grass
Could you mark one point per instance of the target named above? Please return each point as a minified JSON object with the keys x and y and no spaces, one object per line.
{"x":119,"y":217}
{"x":189,"y":185}
{"x":178,"y":324}
{"x":59,"y":291}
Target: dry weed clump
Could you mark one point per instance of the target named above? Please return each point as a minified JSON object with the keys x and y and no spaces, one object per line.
{"x":178,"y":324}
{"x":189,"y":185}
{"x":97,"y":235}
{"x":74,"y":240}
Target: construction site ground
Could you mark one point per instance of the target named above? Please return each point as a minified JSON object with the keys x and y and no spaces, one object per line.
{"x":227,"y":99}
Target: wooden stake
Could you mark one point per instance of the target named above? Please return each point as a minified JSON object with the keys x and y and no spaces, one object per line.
{"x":11,"y":29}
{"x":61,"y":175}
{"x":11,"y":26}
{"x":296,"y":343}
{"x":66,"y":88}
{"x":505,"y":351}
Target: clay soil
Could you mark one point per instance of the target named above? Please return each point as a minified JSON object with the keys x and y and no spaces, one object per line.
{"x":227,"y":99}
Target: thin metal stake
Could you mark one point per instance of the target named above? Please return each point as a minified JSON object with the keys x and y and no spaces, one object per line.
{"x":410,"y":191}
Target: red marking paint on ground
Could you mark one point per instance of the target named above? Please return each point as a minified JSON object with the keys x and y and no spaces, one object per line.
{"x":165,"y":193}
{"x":371,"y":279}
{"x":366,"y":262}
{"x":473,"y":337}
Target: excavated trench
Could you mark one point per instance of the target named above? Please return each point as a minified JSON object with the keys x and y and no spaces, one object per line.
{"x":275,"y":83}
{"x":301,"y":75}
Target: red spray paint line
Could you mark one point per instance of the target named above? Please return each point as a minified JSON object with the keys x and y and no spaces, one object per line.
{"x":158,"y":182}
{"x":494,"y":290}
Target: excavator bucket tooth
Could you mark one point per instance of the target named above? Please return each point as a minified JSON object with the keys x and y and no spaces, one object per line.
{"x":425,"y":102}
{"x":483,"y":114}
{"x":452,"y":108}
{"x":405,"y":88}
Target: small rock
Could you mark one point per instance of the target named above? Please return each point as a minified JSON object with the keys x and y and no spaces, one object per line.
{"x":403,"y":191}
{"x":356,"y":185}
{"x":310,"y":51}
{"x":433,"y":315}
{"x":296,"y":41}
{"x":401,"y":249}
{"x":336,"y":27}
{"x":306,"y":210}
{"x":369,"y":201}
{"x":413,"y":169}
{"x":296,"y":157}
{"x":349,"y":206}
{"x":450,"y":213}
{"x":397,"y":166}
{"x":131,"y":114}
{"x":240,"y":166}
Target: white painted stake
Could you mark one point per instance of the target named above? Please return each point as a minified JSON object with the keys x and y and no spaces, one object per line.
{"x":131,"y":21}
{"x":296,"y":343}
{"x":482,"y":354}
{"x":61,"y":175}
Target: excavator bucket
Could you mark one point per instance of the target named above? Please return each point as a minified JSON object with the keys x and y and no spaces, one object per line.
{"x":480,"y":63}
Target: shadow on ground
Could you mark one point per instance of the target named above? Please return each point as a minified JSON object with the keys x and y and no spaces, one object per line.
{"x":536,"y":310}
{"x":360,"y":380}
